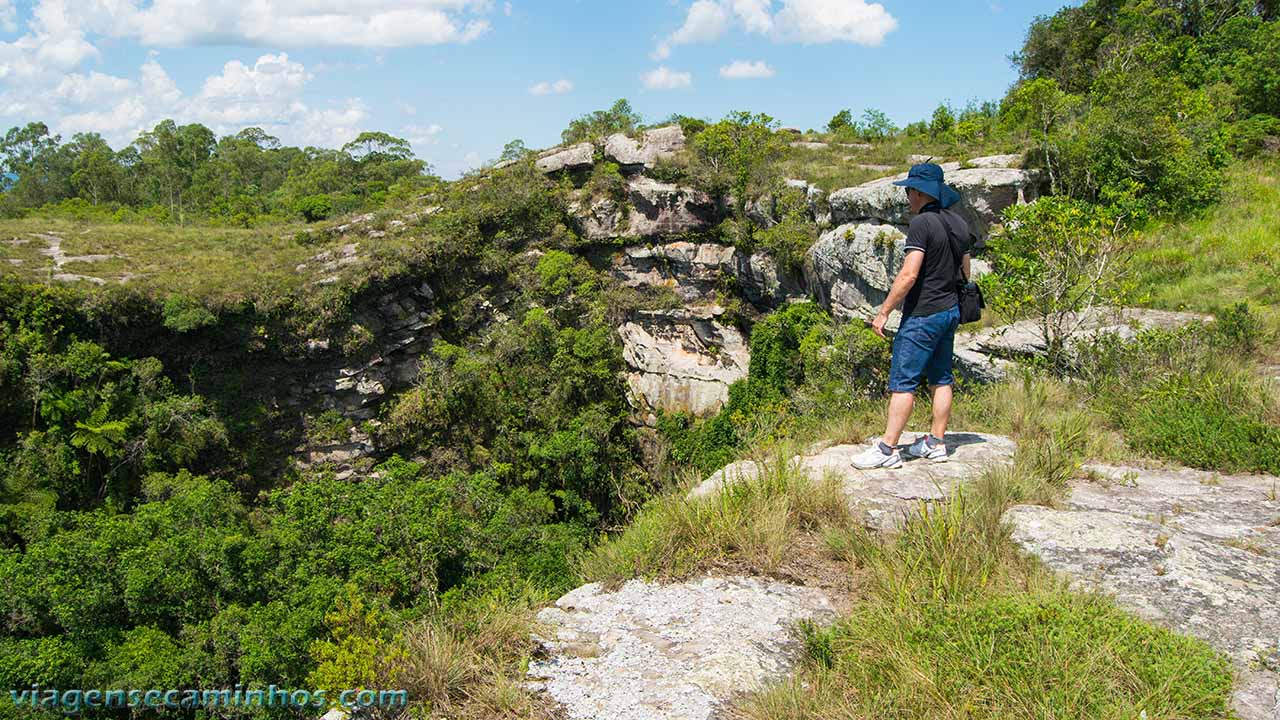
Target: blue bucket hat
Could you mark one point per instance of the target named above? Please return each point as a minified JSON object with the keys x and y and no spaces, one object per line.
{"x":927,"y":178}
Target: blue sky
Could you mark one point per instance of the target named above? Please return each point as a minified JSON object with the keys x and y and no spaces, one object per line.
{"x":462,"y":77}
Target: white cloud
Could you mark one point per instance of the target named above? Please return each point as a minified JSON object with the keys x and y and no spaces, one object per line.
{"x":282,"y":23}
{"x":663,"y":78}
{"x":754,"y":14}
{"x":266,"y":94}
{"x":506,"y":9}
{"x":744,"y":70}
{"x":824,"y":21}
{"x":419,"y":135}
{"x":559,"y":87}
{"x":802,"y":21}
{"x":8,"y":16}
{"x":707,"y":21}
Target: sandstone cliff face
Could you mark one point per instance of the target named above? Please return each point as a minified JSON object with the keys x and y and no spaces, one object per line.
{"x":681,"y":361}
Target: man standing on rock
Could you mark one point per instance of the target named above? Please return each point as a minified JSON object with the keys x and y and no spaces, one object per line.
{"x":926,"y":288}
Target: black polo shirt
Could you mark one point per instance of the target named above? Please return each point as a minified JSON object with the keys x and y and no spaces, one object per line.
{"x":935,"y":288}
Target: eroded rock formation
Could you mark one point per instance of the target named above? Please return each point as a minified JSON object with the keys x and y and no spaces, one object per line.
{"x":681,"y":360}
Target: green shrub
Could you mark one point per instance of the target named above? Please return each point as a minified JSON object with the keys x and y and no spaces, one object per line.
{"x":1247,"y":136}
{"x":184,"y":314}
{"x":1189,"y":395}
{"x":314,"y":208}
{"x":795,"y":232}
{"x":1209,"y":420}
{"x":1054,"y":258}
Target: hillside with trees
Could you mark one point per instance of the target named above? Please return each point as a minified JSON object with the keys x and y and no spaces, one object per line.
{"x":317,"y":418}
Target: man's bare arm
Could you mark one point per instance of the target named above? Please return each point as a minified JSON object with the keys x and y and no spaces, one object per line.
{"x":902,"y":285}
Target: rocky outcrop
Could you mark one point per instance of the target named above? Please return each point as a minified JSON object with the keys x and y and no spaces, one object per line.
{"x":643,"y":154}
{"x":850,"y":269}
{"x":1198,"y":552}
{"x":985,"y":193}
{"x":681,"y":361}
{"x":884,"y":497}
{"x":669,"y":652}
{"x":697,"y":271}
{"x":1023,"y":339}
{"x":996,"y":161}
{"x":399,"y":330}
{"x":572,"y":158}
{"x":652,"y":209}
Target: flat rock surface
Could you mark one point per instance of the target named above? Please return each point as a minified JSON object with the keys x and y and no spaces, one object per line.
{"x":883,"y":496}
{"x":669,"y":652}
{"x":1198,"y":552}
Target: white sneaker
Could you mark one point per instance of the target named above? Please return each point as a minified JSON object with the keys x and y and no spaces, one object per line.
{"x":873,"y":458}
{"x":920,"y":449}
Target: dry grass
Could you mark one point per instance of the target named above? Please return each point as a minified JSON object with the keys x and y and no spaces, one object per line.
{"x":220,"y":266}
{"x":470,"y":665}
{"x":752,"y":525}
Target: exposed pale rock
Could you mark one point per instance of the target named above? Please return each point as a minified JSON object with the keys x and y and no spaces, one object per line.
{"x":574,"y":157}
{"x":996,"y":161}
{"x":696,"y":271}
{"x":810,"y":145}
{"x":692,"y":269}
{"x":653,"y":209}
{"x":654,"y":145}
{"x":1198,"y":552}
{"x":918,"y":159}
{"x":882,"y":496}
{"x":850,"y":269}
{"x":1023,"y":339}
{"x":682,"y":360}
{"x":670,"y":652}
{"x":665,"y":209}
{"x":985,"y":193}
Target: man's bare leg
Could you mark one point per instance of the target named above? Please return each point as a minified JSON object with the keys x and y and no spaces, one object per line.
{"x":899,"y":413}
{"x":941,"y":410}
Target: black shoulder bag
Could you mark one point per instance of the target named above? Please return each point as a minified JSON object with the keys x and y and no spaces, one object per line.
{"x":971,"y":301}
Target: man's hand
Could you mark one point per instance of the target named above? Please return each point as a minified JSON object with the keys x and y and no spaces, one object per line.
{"x":879,"y":322}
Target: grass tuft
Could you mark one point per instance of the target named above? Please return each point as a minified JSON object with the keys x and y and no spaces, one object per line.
{"x":750,"y":521}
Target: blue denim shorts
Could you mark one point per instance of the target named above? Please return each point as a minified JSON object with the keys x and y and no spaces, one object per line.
{"x":923,"y":348}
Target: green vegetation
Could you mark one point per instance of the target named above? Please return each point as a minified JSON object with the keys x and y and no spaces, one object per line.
{"x":155,"y":532}
{"x":1052,"y":260}
{"x":619,"y":118}
{"x":185,"y":174}
{"x":1149,"y":132}
{"x":751,"y":524}
{"x":1224,"y":257}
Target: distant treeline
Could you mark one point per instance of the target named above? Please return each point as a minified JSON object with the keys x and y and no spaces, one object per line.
{"x":185,"y":173}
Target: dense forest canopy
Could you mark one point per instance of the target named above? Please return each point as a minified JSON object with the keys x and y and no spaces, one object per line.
{"x":183,"y":173}
{"x":145,"y":541}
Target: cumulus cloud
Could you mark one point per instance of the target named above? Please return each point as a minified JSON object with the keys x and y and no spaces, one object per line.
{"x":663,"y":78}
{"x":824,"y":21}
{"x":744,"y":70}
{"x":799,"y":21}
{"x":267,"y":93}
{"x":707,"y":20}
{"x":559,"y":87}
{"x":280,"y":23}
{"x":754,"y":14}
{"x":8,"y":16}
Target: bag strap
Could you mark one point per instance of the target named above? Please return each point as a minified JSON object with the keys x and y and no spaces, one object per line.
{"x":955,"y":247}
